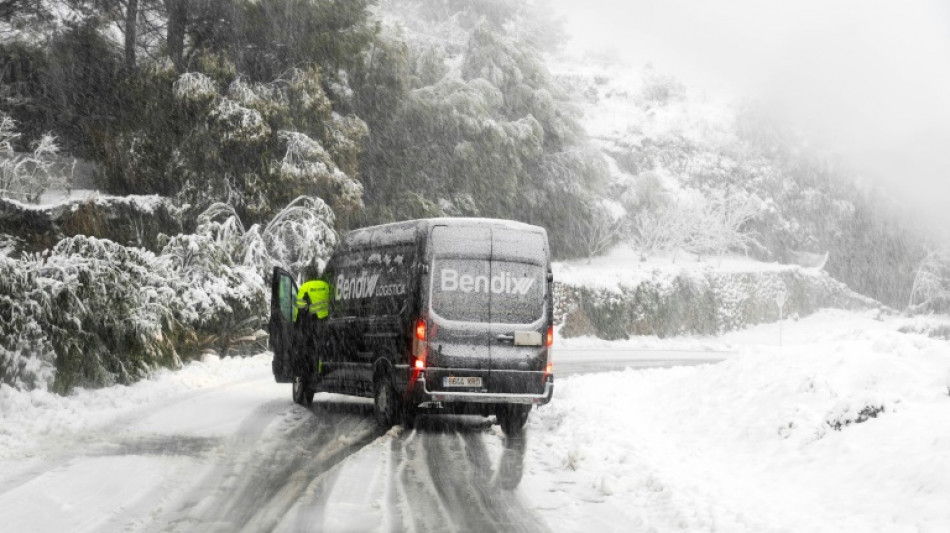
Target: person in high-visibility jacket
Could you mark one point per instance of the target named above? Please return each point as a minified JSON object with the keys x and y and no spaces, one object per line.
{"x":314,"y":296}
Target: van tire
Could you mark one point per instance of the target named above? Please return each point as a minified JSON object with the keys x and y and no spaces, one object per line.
{"x":512,"y":418}
{"x":302,"y":392}
{"x":385,"y":402}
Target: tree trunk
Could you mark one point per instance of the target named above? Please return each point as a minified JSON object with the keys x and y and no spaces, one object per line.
{"x":131,"y":15}
{"x":177,"y":20}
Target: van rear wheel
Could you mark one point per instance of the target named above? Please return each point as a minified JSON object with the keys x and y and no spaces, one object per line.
{"x":512,"y":418}
{"x":385,"y":402}
{"x":302,"y":392}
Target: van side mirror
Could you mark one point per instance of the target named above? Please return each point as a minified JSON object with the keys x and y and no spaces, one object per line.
{"x":550,"y":277}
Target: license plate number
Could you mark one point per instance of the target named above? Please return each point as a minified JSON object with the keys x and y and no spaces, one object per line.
{"x":462,"y":381}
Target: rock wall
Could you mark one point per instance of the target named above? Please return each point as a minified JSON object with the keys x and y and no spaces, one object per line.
{"x":707,"y":303}
{"x":127,"y":220}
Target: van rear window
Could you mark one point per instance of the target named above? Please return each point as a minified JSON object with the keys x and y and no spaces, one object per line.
{"x":522,"y":300}
{"x":478,"y":290}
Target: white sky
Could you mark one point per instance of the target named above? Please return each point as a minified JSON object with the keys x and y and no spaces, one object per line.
{"x":867,"y":78}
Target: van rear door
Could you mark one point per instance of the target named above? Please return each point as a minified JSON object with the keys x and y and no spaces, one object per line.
{"x":281,"y":324}
{"x":459,"y":309}
{"x":518,"y":311}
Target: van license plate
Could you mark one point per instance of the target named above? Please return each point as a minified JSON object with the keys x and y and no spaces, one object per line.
{"x":456,"y":381}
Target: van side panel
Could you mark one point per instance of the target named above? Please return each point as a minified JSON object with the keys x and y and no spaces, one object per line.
{"x":373,"y":293}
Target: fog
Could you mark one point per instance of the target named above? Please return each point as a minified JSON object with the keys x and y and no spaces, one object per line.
{"x":869,"y":80}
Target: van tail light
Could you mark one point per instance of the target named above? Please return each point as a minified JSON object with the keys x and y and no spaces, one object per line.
{"x":420,"y":334}
{"x":548,"y":342}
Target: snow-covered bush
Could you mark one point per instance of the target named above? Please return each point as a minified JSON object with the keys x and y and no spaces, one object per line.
{"x":194,"y":86}
{"x":26,"y":354}
{"x":221,"y":301}
{"x":99,"y":312}
{"x":599,"y":231}
{"x":718,"y":224}
{"x":114,"y":312}
{"x":299,"y":237}
{"x":91,"y":312}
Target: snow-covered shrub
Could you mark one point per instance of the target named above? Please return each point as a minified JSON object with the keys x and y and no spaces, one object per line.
{"x":194,"y":86}
{"x":599,"y":231}
{"x":223,"y":267}
{"x":26,"y":354}
{"x":237,"y":123}
{"x":113,"y":311}
{"x":298,"y":237}
{"x":97,"y":312}
{"x":8,"y":244}
{"x":221,"y":301}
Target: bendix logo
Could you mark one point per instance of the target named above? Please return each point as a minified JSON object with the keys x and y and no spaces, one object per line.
{"x":360,"y":287}
{"x":364,"y":286}
{"x":500,"y":283}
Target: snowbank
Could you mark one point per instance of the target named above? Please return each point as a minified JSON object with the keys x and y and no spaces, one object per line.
{"x":844,"y":428}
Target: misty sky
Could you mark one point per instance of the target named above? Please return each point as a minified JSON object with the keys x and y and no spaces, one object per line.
{"x":868,"y":78}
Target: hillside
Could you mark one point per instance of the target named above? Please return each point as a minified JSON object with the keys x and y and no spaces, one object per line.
{"x":683,"y":160}
{"x":265,"y":129}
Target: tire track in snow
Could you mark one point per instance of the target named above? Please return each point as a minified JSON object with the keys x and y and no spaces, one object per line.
{"x":264,"y":474}
{"x":444,"y":481}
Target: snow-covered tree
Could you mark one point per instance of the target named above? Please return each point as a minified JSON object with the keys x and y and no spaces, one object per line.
{"x":658,"y":230}
{"x":931,"y":288}
{"x":599,"y":231}
{"x":27,"y":176}
{"x":718,"y":224}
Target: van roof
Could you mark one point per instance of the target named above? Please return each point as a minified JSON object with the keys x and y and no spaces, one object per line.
{"x":406,"y":230}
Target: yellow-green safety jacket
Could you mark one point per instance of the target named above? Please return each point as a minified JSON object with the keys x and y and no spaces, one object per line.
{"x":314,"y":296}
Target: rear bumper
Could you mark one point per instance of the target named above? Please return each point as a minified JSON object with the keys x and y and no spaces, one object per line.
{"x":422,"y":394}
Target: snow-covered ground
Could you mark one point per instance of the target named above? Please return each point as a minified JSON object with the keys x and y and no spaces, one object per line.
{"x":774,"y":438}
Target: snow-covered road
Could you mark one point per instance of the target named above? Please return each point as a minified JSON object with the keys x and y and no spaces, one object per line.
{"x":843,"y":428}
{"x":237,"y":454}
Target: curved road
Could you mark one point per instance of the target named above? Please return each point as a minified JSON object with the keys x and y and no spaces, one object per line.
{"x":242,"y":457}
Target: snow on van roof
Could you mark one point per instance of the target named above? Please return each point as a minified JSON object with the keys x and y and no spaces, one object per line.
{"x":396,"y":232}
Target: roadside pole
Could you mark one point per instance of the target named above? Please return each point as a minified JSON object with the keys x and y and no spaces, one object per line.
{"x":780,"y":299}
